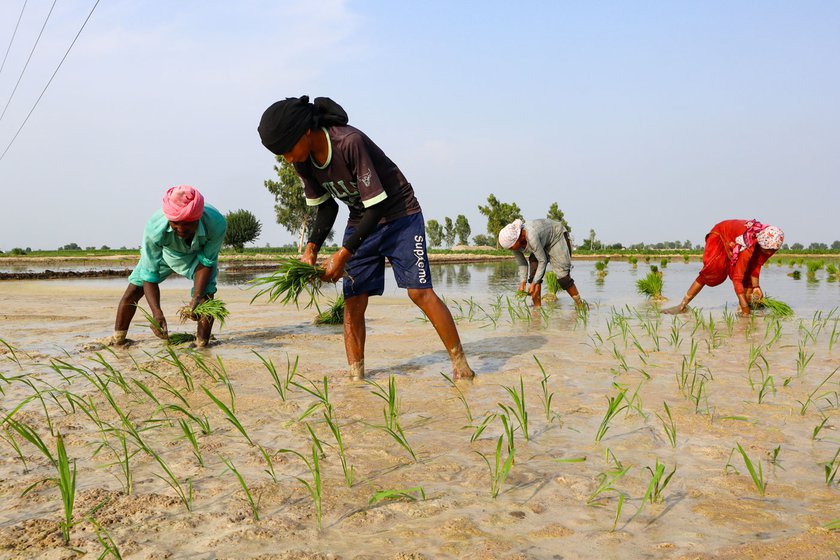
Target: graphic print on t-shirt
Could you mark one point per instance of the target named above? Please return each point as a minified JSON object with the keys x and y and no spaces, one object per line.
{"x":339,"y":190}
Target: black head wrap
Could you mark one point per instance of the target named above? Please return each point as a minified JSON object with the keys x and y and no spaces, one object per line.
{"x":284,"y":122}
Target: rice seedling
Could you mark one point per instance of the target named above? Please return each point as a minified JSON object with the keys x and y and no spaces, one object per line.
{"x":479,"y":428}
{"x":796,"y":275}
{"x":773,"y":456}
{"x":614,"y":406}
{"x":832,"y":339}
{"x":322,"y":397}
{"x":66,"y":479}
{"x":176,"y":339}
{"x":633,"y":260}
{"x":818,"y":428}
{"x":657,"y":484}
{"x":201,"y":421}
{"x":547,"y":396}
{"x":675,"y":336}
{"x":212,"y":308}
{"x":104,"y":537}
{"x":412,"y":494}
{"x":767,"y":386}
{"x":831,"y":469}
{"x":189,"y":435}
{"x":773,"y":332}
{"x":605,"y":482}
{"x":570,"y":459}
{"x":291,"y":279}
{"x":664,"y":262}
{"x":500,"y":469}
{"x":803,"y":358}
{"x":833,"y":525}
{"x":831,"y":272}
{"x":755,"y":470}
{"x":813,"y":267}
{"x":518,"y":410}
{"x":685,"y":258}
{"x":280,"y":385}
{"x":600,"y":269}
{"x":174,"y":360}
{"x":255,"y":504}
{"x":229,"y":415}
{"x":334,"y":315}
{"x":776,"y":307}
{"x":314,"y":466}
{"x":651,"y":285}
{"x":460,"y":396}
{"x":669,"y":426}
{"x":551,"y":285}
{"x":185,"y":495}
{"x":389,"y":396}
{"x":346,"y":468}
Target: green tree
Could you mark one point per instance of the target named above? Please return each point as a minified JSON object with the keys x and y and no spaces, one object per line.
{"x":554,"y":213}
{"x":591,"y":243}
{"x":499,"y":214}
{"x":289,"y":201}
{"x":462,"y":229}
{"x":434,"y":233}
{"x":448,"y":231}
{"x":484,"y":240}
{"x":242,"y":227}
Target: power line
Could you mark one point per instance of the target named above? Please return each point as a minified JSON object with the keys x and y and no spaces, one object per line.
{"x":27,"y":60}
{"x":12,"y":40}
{"x":50,"y":81}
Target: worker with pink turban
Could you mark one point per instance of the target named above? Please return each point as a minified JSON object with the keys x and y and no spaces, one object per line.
{"x":736,"y":249}
{"x":185,"y":237}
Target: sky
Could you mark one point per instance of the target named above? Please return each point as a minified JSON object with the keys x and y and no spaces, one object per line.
{"x":645,"y":121}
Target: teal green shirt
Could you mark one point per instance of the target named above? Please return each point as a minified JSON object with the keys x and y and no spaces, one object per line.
{"x":163,"y":252}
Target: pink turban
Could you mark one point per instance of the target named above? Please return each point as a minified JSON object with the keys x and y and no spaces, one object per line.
{"x":509,"y":234}
{"x":770,"y":237}
{"x":183,"y":204}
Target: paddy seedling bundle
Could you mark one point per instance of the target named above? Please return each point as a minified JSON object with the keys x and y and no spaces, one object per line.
{"x":651,"y":285}
{"x":291,"y":279}
{"x":213,"y":308}
{"x":334,"y":315}
{"x":775,"y":306}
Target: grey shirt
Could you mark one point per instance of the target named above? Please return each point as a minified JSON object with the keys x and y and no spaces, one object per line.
{"x":547,"y":242}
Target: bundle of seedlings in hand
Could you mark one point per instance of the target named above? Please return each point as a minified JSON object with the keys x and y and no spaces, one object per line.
{"x":334,"y":315}
{"x":551,"y":285}
{"x":651,"y":285}
{"x":774,"y":306}
{"x":213,"y":308}
{"x":289,"y":281}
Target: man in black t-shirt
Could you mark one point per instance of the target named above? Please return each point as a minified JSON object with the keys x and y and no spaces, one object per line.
{"x":337,"y":161}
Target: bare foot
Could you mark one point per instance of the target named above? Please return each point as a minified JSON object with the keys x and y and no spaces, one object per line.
{"x":356,"y":370}
{"x":460,"y":368}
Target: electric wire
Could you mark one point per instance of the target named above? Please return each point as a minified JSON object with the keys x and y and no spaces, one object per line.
{"x":12,"y":40}
{"x":50,"y":80}
{"x":27,"y":60}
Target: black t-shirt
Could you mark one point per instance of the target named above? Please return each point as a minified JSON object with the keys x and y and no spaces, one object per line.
{"x":359,"y":174}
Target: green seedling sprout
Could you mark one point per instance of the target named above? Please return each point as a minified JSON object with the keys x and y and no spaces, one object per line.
{"x":614,"y":406}
{"x":212,"y":308}
{"x":755,"y":470}
{"x":460,"y":396}
{"x":231,"y":417}
{"x":518,"y":410}
{"x":255,"y":504}
{"x":547,"y":396}
{"x":669,"y":426}
{"x":500,"y":469}
{"x":407,"y":494}
{"x":334,"y":315}
{"x":314,"y":467}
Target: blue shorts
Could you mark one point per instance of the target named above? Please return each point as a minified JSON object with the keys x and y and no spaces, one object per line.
{"x":403,"y":242}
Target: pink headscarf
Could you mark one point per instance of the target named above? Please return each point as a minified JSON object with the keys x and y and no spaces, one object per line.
{"x":509,"y":234}
{"x":183,"y":204}
{"x":768,"y":237}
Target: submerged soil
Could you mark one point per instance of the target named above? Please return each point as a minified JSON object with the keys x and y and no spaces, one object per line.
{"x":763,"y":384}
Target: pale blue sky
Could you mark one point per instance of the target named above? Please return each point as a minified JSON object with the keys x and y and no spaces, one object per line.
{"x":624,"y":113}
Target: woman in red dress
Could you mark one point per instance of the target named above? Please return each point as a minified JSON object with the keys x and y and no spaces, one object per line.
{"x":736,"y":249}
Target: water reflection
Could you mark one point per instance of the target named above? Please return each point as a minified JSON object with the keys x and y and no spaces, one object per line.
{"x":486,"y":281}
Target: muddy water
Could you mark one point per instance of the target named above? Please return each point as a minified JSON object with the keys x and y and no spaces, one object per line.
{"x":545,"y":508}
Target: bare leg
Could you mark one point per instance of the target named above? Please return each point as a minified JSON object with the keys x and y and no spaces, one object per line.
{"x":205,"y":326}
{"x":437,"y":312}
{"x":575,"y":295}
{"x":354,"y":334}
{"x":125,"y":312}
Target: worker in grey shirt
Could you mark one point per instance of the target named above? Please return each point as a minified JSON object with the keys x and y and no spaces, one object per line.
{"x":548,"y":242}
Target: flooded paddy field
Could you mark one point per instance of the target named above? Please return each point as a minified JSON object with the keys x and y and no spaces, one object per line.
{"x":620,"y":433}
